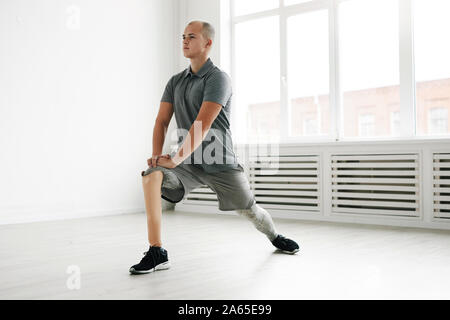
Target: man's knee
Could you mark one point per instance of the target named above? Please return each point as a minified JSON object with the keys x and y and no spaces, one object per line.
{"x":152,"y":177}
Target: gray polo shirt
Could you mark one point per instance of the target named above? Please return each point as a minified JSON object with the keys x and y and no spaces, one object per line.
{"x":187,"y":91}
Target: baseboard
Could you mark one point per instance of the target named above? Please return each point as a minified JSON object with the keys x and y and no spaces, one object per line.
{"x":26,"y":216}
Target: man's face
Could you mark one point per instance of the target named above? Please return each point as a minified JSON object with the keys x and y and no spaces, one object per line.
{"x":194,"y":44}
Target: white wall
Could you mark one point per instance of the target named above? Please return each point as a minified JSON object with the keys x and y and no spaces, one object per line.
{"x":80,"y":84}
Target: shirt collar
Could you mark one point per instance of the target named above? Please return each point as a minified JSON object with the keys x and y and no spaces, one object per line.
{"x":203,"y":70}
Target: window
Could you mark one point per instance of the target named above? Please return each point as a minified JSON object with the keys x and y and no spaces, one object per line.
{"x":310,"y":125}
{"x":395,"y":123}
{"x":308,"y":70}
{"x":331,"y":70}
{"x":438,"y":120}
{"x":366,"y":125}
{"x":432,"y":65}
{"x":257,"y":71}
{"x":247,"y":7}
{"x":368,"y":34}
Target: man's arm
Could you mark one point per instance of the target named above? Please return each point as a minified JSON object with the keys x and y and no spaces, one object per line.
{"x":160,"y":129}
{"x":198,"y":131}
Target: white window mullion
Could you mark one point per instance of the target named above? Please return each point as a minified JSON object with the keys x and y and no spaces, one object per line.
{"x":335,"y":95}
{"x":233,"y":71}
{"x":406,"y":61}
{"x":285,"y":110}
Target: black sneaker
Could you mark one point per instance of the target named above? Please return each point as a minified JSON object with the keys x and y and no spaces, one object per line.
{"x":286,"y":245}
{"x":156,"y":258}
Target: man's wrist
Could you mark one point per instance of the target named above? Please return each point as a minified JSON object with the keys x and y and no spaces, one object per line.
{"x":177,"y":159}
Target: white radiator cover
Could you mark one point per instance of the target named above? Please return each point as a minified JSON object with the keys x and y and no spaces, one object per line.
{"x":376,"y":184}
{"x":287,"y":182}
{"x":399,"y":183}
{"x":441,"y":185}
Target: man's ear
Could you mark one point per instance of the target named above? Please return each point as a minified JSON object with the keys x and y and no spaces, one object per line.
{"x":209,"y":43}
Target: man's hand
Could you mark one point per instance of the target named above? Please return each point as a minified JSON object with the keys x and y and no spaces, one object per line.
{"x":152,"y":161}
{"x":166,"y":161}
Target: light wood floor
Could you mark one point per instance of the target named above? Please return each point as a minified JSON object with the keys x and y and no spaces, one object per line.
{"x":223,"y":257}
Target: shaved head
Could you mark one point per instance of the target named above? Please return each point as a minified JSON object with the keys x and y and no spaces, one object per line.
{"x":207,"y":29}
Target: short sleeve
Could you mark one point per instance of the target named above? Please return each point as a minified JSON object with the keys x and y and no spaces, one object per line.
{"x":168,"y":92}
{"x":218,"y":88}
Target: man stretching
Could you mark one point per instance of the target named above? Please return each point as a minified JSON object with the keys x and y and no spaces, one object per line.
{"x":200,"y":98}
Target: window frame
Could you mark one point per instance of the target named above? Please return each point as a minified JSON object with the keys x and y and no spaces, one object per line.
{"x":406,"y":69}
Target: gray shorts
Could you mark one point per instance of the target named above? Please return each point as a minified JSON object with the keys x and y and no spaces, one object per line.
{"x":231,"y":187}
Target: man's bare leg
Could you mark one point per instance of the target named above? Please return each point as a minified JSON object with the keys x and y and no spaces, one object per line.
{"x":156,"y":258}
{"x":151,"y":184}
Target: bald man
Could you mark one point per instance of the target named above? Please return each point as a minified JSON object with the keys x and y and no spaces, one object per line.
{"x":200,"y":99}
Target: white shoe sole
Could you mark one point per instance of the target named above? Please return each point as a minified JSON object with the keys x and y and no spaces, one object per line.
{"x":161,"y":266}
{"x":290,"y":252}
